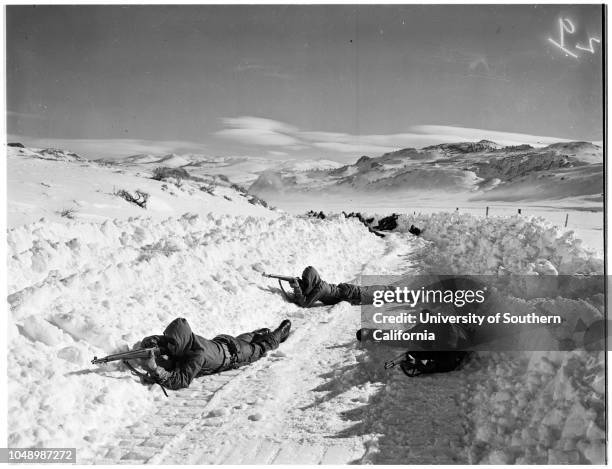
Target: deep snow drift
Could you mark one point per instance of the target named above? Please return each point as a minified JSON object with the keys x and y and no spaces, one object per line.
{"x":467,"y":244}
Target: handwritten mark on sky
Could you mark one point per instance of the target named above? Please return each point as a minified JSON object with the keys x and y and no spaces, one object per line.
{"x":567,"y":26}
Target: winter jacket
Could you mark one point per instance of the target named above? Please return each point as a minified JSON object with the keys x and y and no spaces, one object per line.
{"x":191,"y":354}
{"x":312,"y":288}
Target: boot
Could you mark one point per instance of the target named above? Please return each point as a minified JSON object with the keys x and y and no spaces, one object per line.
{"x":283,"y":330}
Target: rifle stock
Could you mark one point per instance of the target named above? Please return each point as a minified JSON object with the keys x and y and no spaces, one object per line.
{"x":130,"y":355}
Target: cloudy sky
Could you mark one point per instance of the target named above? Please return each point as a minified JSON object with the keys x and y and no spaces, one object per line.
{"x":322,"y":81}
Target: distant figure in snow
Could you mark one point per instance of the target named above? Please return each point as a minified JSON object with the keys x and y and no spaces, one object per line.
{"x":366,"y":221}
{"x":359,"y":216}
{"x":311,"y":288}
{"x":191,"y":356}
{"x":414,"y":230}
{"x":388,"y":223}
{"x":313,"y":214}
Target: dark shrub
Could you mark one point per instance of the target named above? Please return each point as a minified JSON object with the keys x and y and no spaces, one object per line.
{"x":163,"y":172}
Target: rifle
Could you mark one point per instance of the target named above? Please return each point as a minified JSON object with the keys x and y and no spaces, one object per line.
{"x":396,"y":361}
{"x":130,"y":355}
{"x":279,"y":277}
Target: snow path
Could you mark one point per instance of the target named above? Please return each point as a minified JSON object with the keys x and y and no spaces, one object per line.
{"x":318,"y":399}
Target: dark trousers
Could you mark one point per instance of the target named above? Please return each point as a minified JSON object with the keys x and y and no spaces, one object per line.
{"x":251,"y":346}
{"x":354,"y":294}
{"x":348,"y":292}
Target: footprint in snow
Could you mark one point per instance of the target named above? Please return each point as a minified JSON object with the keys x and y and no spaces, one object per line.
{"x":221,"y":412}
{"x":256,"y":416}
{"x":258,"y":267}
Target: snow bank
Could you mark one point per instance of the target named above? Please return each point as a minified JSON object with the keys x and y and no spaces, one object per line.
{"x":467,"y":244}
{"x":536,"y":408}
{"x":79,"y":289}
{"x":529,"y":407}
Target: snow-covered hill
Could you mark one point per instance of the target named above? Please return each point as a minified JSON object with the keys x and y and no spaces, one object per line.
{"x":59,"y":185}
{"x":481,"y":171}
{"x":51,"y":154}
{"x":582,"y":151}
{"x":238,"y":169}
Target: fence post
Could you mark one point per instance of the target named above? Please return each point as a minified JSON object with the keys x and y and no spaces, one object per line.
{"x":487,"y":214}
{"x":519,"y":211}
{"x":566,"y":217}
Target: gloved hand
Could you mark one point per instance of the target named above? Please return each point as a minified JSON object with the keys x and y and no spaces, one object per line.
{"x":148,"y":342}
{"x":294,"y":283}
{"x":150,"y":364}
{"x":146,"y":379}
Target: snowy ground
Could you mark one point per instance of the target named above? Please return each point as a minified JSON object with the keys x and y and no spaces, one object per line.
{"x":99,"y":282}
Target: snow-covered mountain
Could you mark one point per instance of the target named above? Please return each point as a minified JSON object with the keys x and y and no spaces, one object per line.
{"x":171,"y":160}
{"x":484,"y":170}
{"x":238,"y":169}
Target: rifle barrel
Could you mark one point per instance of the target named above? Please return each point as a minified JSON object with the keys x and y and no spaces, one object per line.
{"x":131,"y":354}
{"x":286,"y":278}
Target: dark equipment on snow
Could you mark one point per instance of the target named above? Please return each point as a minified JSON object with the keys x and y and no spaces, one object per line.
{"x":426,"y":362}
{"x":448,"y":356}
{"x":130,"y":355}
{"x":366,"y":221}
{"x":359,"y":216}
{"x":388,"y":223}
{"x":414,"y":230}
{"x":312,"y":214}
